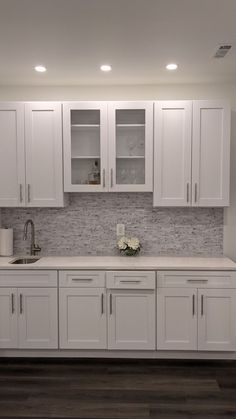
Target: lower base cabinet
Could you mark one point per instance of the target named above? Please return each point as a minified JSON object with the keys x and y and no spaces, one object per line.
{"x":196,"y":316}
{"x":28,"y":315}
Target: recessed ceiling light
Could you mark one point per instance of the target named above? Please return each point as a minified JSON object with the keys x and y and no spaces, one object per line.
{"x":40,"y":68}
{"x":105,"y":67}
{"x":171,"y":66}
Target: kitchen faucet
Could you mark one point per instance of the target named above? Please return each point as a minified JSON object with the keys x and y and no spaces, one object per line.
{"x":34,"y":248}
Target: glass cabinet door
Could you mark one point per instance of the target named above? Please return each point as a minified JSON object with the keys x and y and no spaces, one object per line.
{"x":85,"y":146}
{"x":130,"y":146}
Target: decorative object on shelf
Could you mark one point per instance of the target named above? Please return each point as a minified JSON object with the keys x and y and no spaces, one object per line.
{"x":129,"y":246}
{"x":94,"y":175}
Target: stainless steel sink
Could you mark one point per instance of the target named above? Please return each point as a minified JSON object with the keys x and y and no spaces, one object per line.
{"x":24,"y":261}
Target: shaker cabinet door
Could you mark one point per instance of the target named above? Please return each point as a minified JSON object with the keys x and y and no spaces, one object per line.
{"x":82,"y":318}
{"x":43,"y":140}
{"x":8,"y":318}
{"x":177,"y":318}
{"x":38,"y":322}
{"x":172,"y":153}
{"x":12,"y":155}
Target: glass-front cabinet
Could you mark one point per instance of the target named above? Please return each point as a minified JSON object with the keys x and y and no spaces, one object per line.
{"x":130,"y":136}
{"x":85,"y":146}
{"x":108,"y":146}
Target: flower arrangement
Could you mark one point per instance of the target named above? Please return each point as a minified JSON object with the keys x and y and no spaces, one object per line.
{"x":129,"y":246}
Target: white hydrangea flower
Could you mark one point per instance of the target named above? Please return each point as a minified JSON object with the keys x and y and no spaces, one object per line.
{"x":133,"y":243}
{"x":122,"y":243}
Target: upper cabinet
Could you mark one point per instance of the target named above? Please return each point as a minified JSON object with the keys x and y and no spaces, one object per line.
{"x":31,"y":155}
{"x":192,"y":153}
{"x":85,"y":146}
{"x":211,"y":153}
{"x":108,"y":146}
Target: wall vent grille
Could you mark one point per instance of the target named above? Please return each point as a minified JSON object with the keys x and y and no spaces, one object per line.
{"x":222,"y":51}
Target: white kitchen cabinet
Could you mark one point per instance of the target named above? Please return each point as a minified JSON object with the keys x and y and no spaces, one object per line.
{"x":191,"y":153}
{"x":172,"y":153}
{"x":38,"y":320}
{"x":83,"y":318}
{"x":211,"y":153}
{"x":31,"y":155}
{"x":29,"y":309}
{"x":43,"y":142}
{"x":194,"y":315}
{"x":131,"y":310}
{"x":108,"y":146}
{"x":216,"y":319}
{"x":8,"y":318}
{"x":85,"y":146}
{"x":130,"y":134}
{"x":12,"y":154}
{"x":176,"y":318}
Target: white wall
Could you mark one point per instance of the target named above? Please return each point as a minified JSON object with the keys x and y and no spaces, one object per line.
{"x":147,"y":92}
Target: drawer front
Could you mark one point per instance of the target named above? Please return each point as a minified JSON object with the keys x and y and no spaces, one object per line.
{"x":196,"y":279}
{"x":27,"y":278}
{"x":82,"y":279}
{"x":130,"y":280}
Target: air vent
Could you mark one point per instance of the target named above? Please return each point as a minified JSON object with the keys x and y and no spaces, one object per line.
{"x":222,"y":51}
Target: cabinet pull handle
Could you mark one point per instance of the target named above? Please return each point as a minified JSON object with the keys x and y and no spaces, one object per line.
{"x":202,"y":300}
{"x":110,"y":303}
{"x":195,"y":192}
{"x":82,"y":279}
{"x":29,"y":197}
{"x":111,"y":178}
{"x":130,"y":282}
{"x":188,"y":192}
{"x":104,"y":177}
{"x":12,"y":304}
{"x":102,"y":303}
{"x":21,"y":303}
{"x":197,"y":280}
{"x":21,"y":194}
{"x":193,"y":304}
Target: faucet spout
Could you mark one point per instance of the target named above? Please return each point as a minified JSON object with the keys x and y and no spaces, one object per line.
{"x":34,"y":248}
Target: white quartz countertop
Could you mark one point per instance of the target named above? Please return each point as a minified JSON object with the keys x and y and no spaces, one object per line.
{"x":124,"y":262}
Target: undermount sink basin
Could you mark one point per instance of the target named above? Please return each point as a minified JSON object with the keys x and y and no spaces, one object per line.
{"x":24,"y":261}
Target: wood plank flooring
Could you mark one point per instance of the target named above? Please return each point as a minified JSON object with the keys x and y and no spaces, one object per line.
{"x":117,"y":389}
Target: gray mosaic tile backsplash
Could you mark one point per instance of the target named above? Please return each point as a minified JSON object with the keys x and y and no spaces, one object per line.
{"x":87,"y":226}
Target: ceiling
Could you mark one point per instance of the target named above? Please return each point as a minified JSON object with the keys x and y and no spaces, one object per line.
{"x":72,"y":38}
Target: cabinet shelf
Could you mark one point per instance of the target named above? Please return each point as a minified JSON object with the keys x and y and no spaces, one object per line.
{"x":130,"y":157}
{"x":130,"y":125}
{"x":85,"y":157}
{"x":82,"y":126}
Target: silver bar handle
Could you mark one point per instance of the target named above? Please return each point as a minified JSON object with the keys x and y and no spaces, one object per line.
{"x":197,"y":280}
{"x":29,"y":193}
{"x":130,"y":282}
{"x":111,"y":178}
{"x":82,"y":279}
{"x":104,"y":177}
{"x":21,"y":303}
{"x":110,"y":303}
{"x":102,"y":303}
{"x":202,"y":302}
{"x":12,"y":304}
{"x":195,"y":192}
{"x":193,"y":304}
{"x":21,"y":193}
{"x":188,"y":192}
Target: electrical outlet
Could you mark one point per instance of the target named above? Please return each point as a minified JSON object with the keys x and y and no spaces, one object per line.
{"x":120,"y":229}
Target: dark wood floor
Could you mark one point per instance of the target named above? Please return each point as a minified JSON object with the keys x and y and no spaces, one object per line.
{"x":116,"y":389}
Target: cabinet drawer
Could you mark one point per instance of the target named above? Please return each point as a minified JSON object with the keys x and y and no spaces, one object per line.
{"x":27,"y":278}
{"x":131,"y":279}
{"x":81,"y":279}
{"x":197,"y":279}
